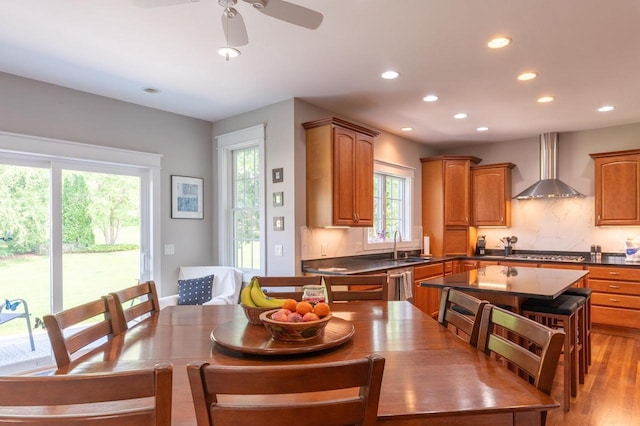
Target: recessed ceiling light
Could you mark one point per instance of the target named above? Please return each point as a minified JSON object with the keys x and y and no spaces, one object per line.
{"x":482,"y":129}
{"x":606,"y":108}
{"x":390,"y":75}
{"x":151,"y":90}
{"x":545,"y":99}
{"x":460,"y":115}
{"x":228,"y":52}
{"x":406,"y":129}
{"x":499,"y":42}
{"x":528,"y":75}
{"x":430,"y":98}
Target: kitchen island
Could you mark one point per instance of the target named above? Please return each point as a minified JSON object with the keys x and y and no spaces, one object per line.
{"x":510,"y":285}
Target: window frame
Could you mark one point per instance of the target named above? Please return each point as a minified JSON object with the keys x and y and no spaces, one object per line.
{"x":226,"y":144}
{"x":408,"y":174}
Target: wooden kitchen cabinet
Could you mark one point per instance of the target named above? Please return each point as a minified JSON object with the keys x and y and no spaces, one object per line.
{"x":427,"y":299}
{"x":339,"y":169}
{"x":616,"y":296}
{"x":617,"y":187}
{"x":491,"y":194}
{"x":446,"y":204}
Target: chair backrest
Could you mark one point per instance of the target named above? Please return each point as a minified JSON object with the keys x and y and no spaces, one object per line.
{"x":346,"y":288}
{"x":532,"y":347}
{"x":461,"y":311}
{"x":46,"y":399}
{"x":363,"y":376}
{"x":142,"y":299}
{"x":67,"y":335}
{"x":287,"y":287}
{"x":227,"y":281}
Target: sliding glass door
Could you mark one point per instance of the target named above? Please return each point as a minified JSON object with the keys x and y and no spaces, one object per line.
{"x":71,"y":232}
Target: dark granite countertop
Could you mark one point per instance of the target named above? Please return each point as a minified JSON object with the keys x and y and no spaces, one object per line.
{"x":384,"y":262}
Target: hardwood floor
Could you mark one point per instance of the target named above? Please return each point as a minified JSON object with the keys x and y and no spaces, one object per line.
{"x":610,"y":394}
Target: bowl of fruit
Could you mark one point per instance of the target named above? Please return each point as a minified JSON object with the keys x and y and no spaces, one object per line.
{"x":296,"y":324}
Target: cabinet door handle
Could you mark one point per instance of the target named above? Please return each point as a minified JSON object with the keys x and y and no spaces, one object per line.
{"x":614,"y":300}
{"x":614,"y":273}
{"x":614,"y":286}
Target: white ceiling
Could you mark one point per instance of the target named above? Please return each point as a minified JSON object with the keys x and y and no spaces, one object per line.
{"x":587,"y":53}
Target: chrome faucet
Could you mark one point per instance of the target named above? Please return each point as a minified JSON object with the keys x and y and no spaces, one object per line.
{"x":396,"y":237}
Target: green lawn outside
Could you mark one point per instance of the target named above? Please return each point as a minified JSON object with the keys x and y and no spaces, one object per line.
{"x":87,"y":276}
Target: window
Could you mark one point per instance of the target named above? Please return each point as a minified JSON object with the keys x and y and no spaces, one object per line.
{"x":245,"y":208}
{"x":392,"y":203}
{"x":241,"y":200}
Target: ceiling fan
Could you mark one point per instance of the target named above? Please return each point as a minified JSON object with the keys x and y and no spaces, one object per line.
{"x":233,"y":25}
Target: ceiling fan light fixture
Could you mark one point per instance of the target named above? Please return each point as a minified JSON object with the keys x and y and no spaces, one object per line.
{"x":228,"y":52}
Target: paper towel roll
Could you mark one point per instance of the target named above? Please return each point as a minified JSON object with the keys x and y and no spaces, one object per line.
{"x":425,"y":247}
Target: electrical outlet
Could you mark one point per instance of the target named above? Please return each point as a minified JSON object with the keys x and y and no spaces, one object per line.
{"x":323,"y":249}
{"x":169,"y":249}
{"x":278,"y":250}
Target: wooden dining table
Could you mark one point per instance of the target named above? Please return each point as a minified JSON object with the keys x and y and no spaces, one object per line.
{"x":430,"y":374}
{"x":510,"y":285}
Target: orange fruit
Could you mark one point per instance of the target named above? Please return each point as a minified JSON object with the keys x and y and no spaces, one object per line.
{"x":321,"y":309}
{"x":303,"y":307}
{"x":310,"y":316}
{"x":290,"y":304}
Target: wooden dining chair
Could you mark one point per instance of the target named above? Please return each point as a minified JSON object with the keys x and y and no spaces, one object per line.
{"x":67,"y":335}
{"x":461,"y":312}
{"x":135,"y":303}
{"x":532,"y":347}
{"x":347,"y":288}
{"x":288,"y":287}
{"x":120,"y":398}
{"x":265,"y":406}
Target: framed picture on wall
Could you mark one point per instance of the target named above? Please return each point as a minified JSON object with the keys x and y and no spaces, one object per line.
{"x":187,"y":197}
{"x":277,"y":175}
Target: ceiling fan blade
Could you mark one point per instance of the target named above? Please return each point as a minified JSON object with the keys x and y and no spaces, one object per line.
{"x":235,"y":31}
{"x":159,"y":3}
{"x":291,"y":13}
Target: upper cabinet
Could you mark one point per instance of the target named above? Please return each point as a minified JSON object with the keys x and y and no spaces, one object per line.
{"x":446,"y":203}
{"x":617,"y":187}
{"x":339,"y":169}
{"x":457,"y":211}
{"x":491,"y":189}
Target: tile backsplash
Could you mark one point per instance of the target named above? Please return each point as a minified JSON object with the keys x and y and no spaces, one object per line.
{"x":562,"y":224}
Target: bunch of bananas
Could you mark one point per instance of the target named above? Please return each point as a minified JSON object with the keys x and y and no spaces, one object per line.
{"x":253,"y":296}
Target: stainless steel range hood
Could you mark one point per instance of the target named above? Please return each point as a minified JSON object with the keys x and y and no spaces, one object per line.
{"x":549,"y":186}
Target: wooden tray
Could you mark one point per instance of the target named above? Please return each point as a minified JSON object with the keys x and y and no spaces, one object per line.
{"x":255,"y":339}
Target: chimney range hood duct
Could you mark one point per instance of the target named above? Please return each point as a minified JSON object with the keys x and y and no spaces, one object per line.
{"x":549,"y":186}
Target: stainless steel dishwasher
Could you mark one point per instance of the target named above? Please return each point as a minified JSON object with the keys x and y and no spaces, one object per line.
{"x":401,"y":283}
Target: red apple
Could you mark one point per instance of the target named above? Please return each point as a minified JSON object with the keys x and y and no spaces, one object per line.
{"x":294,"y":317}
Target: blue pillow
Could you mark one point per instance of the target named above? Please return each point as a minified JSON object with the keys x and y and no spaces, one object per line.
{"x":195,"y":291}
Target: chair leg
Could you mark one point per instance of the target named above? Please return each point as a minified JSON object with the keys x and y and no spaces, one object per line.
{"x":33,"y":346}
{"x":582,"y":346}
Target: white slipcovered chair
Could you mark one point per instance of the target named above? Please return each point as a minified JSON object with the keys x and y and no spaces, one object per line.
{"x":227,"y":283}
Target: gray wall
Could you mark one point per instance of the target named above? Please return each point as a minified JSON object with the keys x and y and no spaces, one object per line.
{"x":285,"y":147}
{"x":39,"y":109}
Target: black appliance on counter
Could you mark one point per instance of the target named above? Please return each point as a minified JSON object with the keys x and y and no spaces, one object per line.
{"x":481,"y":245}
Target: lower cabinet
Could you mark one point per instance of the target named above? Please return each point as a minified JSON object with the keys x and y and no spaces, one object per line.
{"x":616,"y":296}
{"x":428,"y":299}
